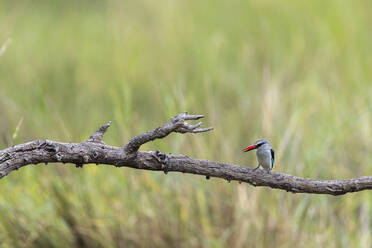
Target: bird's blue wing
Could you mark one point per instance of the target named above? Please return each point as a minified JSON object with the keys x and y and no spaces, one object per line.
{"x":272,"y":157}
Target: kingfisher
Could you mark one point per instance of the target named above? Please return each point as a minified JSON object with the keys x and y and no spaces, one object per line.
{"x":265,"y":154}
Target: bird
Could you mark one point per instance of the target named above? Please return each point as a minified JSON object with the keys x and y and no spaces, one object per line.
{"x":265,"y":154}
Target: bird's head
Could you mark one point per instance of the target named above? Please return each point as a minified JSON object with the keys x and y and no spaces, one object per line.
{"x":259,"y":143}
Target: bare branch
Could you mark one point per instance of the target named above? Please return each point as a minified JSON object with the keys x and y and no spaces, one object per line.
{"x":95,"y":151}
{"x":177,"y":124}
{"x":97,"y":136}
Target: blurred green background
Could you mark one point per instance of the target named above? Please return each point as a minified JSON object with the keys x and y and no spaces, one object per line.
{"x":297,"y":73}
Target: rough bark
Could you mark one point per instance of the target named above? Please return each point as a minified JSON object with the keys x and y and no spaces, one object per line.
{"x":94,"y":150}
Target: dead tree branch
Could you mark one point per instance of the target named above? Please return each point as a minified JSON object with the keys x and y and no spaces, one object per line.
{"x":176,"y":124}
{"x":94,"y":150}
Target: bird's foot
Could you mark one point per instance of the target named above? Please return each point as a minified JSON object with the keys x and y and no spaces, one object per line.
{"x":258,"y":166}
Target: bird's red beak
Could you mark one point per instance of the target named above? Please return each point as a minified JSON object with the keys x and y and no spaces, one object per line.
{"x":249,"y":148}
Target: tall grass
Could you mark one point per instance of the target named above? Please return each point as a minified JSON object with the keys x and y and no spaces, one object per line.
{"x":297,"y":73}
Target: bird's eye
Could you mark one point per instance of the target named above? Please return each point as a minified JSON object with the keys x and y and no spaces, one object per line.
{"x":259,"y":144}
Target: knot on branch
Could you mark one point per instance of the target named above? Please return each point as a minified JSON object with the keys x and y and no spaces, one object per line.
{"x":47,"y":145}
{"x":97,"y":136}
{"x":163,"y":159}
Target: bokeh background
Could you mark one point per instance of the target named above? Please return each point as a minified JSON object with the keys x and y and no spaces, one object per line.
{"x":298,"y":73}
